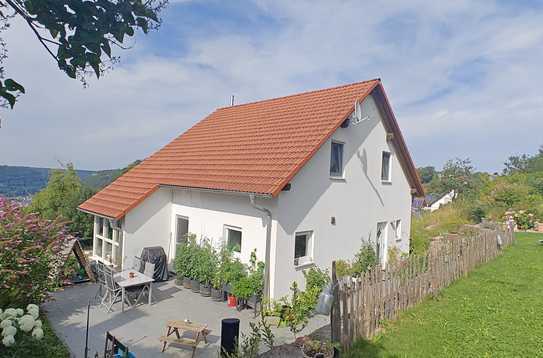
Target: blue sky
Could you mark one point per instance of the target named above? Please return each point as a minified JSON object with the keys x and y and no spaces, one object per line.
{"x":463,"y":77}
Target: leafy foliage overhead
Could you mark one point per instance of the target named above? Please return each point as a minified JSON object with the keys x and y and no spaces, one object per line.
{"x":78,"y":34}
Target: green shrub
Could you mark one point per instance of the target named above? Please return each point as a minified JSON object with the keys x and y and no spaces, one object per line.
{"x":525,"y":220}
{"x":364,"y":260}
{"x":252,"y":283}
{"x":343,"y":268}
{"x":185,"y":258}
{"x":28,"y":245}
{"x":477,"y":214}
{"x":316,"y":278}
{"x":206,"y":263}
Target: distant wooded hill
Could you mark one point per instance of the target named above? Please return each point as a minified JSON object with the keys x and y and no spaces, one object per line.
{"x":23,"y":181}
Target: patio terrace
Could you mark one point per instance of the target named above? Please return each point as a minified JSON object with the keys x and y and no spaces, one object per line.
{"x":140,"y":327}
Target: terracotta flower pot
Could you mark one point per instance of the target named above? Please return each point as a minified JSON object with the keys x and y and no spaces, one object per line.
{"x":232,"y":301}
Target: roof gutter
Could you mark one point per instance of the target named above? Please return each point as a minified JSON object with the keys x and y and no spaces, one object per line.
{"x":268,"y":214}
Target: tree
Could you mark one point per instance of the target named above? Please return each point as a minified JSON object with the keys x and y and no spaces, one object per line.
{"x":516,"y":163}
{"x":61,"y":197}
{"x":457,"y":175}
{"x":427,"y":174}
{"x":77,"y":34}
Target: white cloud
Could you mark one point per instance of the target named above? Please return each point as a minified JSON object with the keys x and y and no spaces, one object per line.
{"x":482,"y":58}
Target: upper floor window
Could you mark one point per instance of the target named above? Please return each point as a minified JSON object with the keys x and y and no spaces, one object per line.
{"x":385,"y":168}
{"x":336,"y":160}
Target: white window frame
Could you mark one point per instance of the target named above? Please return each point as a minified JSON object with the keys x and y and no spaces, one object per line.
{"x":308,"y":258}
{"x":396,"y":226}
{"x":389,"y":179}
{"x":227,"y":236}
{"x":177,"y":217}
{"x":117,"y":236}
{"x":340,"y":175}
{"x":383,"y":240}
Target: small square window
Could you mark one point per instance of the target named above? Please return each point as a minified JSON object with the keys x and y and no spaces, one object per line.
{"x":303,"y":242}
{"x":385,"y":168}
{"x":233,"y":238}
{"x":336,"y":160}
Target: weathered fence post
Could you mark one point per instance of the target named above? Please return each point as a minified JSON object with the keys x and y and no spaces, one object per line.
{"x":335,"y":314}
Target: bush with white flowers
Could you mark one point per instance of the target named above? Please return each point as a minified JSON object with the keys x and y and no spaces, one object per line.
{"x":14,"y":322}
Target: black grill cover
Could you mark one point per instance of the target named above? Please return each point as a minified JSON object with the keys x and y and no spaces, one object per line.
{"x":156,"y":255}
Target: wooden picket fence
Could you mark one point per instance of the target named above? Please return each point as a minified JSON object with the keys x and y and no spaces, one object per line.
{"x":362,"y":304}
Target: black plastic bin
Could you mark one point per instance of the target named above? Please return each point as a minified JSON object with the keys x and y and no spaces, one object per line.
{"x":229,"y":335}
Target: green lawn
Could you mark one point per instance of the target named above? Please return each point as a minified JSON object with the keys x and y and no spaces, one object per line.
{"x":49,"y":346}
{"x":497,"y":311}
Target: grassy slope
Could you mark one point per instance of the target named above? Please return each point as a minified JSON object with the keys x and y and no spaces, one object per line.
{"x":497,"y":311}
{"x":49,"y":346}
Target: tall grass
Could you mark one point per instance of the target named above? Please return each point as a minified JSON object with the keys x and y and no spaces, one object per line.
{"x":447,"y":219}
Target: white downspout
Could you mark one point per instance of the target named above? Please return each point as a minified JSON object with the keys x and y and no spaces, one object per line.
{"x":268,"y":213}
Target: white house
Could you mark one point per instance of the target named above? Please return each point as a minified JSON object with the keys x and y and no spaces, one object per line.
{"x":303,"y":179}
{"x":437,"y":201}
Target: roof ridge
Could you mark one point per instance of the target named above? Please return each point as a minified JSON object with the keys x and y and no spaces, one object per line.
{"x":299,"y":94}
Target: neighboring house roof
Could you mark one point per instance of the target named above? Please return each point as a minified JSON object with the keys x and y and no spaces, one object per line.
{"x":254,"y":148}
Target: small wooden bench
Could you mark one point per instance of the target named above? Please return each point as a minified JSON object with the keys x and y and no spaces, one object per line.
{"x":199,"y":332}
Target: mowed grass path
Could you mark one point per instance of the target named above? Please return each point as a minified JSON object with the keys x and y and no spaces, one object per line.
{"x":496,"y":311}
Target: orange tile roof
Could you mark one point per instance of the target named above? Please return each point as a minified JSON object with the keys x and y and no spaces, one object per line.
{"x":255,"y":147}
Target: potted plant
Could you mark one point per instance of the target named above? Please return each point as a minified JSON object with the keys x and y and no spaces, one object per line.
{"x":184,"y":260}
{"x":313,"y":348}
{"x":256,"y":281}
{"x":218,"y":281}
{"x":195,"y":268}
{"x":207,"y":267}
{"x":233,"y":272}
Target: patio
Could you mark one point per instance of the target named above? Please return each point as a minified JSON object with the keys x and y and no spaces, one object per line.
{"x":141,"y":327}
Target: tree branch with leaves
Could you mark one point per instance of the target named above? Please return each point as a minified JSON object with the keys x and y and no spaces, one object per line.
{"x":78,"y":34}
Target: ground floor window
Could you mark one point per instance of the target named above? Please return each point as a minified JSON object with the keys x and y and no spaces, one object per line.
{"x":108,"y":242}
{"x":233,"y":238}
{"x":380,"y":242}
{"x":303,"y":247}
{"x":396,"y":227}
{"x":182,"y":229}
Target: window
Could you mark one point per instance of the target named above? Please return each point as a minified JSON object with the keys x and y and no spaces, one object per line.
{"x":396,"y":227}
{"x":303,"y":247}
{"x":385,"y":169}
{"x":381,"y":242}
{"x":336,"y":160}
{"x":107,"y":242}
{"x":233,"y":238}
{"x":182,"y":230}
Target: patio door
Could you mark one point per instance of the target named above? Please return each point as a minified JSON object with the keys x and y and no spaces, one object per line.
{"x":182,"y":229}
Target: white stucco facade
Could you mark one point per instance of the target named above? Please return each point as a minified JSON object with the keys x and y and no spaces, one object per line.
{"x":340,"y":213}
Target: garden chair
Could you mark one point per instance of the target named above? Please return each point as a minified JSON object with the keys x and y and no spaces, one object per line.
{"x":113,"y":291}
{"x":135,"y":293}
{"x":100,"y":280}
{"x":149,"y":269}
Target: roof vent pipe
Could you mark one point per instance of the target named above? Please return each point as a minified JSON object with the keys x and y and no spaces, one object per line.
{"x":268,"y":213}
{"x":232,"y":101}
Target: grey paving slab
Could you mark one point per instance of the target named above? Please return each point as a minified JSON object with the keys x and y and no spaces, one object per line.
{"x":140,"y":327}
